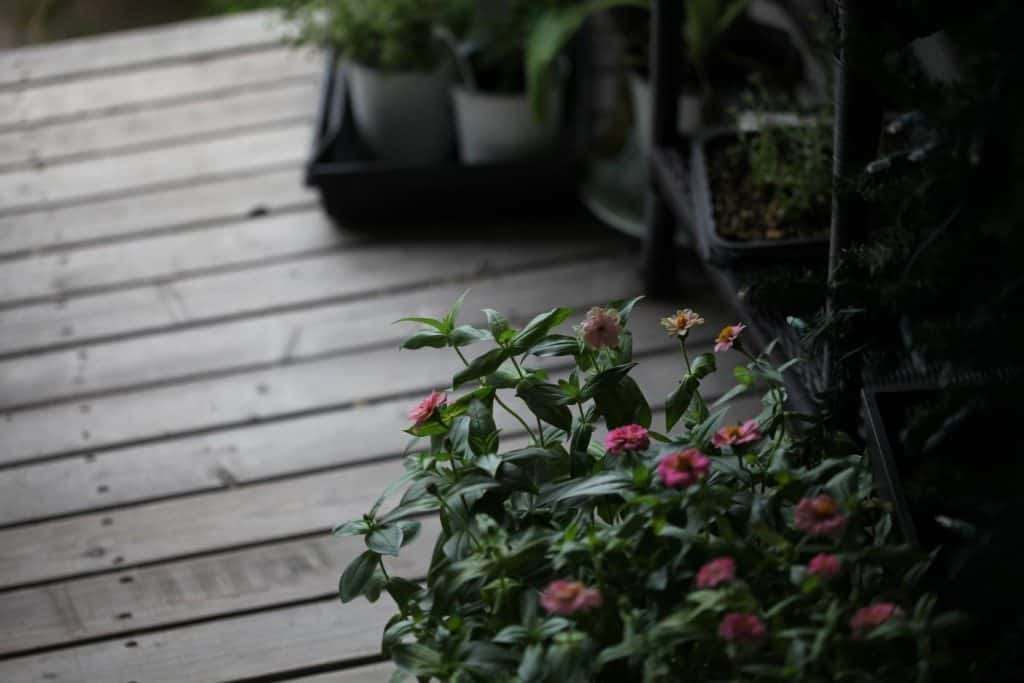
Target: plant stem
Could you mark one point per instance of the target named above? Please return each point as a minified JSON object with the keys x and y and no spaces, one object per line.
{"x":696,"y":394}
{"x":498,"y":398}
{"x":540,"y":428}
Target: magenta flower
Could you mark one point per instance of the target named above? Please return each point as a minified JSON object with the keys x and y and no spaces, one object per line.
{"x":728,"y":336}
{"x":825,"y":566}
{"x":422,"y":411}
{"x":715,"y":572}
{"x":742,"y":628}
{"x":729,"y":436}
{"x":627,"y":438}
{"x":678,"y":470}
{"x":867,"y":619}
{"x":601,"y":328}
{"x":820,"y":516}
{"x":568,"y":597}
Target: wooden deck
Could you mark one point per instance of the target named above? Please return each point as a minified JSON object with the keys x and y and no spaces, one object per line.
{"x":198,"y":371}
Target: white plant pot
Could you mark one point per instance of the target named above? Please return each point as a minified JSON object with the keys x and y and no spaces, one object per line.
{"x":500,"y":127}
{"x":403,"y":116}
{"x":689,"y":110}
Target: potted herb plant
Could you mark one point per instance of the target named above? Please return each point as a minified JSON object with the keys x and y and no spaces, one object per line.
{"x":703,"y":551}
{"x":493,"y":114}
{"x":398,"y":74}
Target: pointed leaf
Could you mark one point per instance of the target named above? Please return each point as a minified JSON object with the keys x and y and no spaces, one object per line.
{"x":385,"y":540}
{"x":357,"y":575}
{"x":623,"y":403}
{"x":426,"y":338}
{"x":480,"y":367}
{"x":464,"y":335}
{"x":537,"y":329}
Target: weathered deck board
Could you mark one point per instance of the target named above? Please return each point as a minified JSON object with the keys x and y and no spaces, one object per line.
{"x":296,"y":335}
{"x":291,"y":102}
{"x":145,"y":214}
{"x":196,"y":524}
{"x":146,"y":47}
{"x":204,"y":76}
{"x":169,"y":257}
{"x":322,"y":278}
{"x":98,"y":178}
{"x":292,"y":639}
{"x":120,"y":603}
{"x":373,"y":673}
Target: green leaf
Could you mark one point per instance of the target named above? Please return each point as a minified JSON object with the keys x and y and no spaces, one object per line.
{"x":547,"y":402}
{"x":480,"y":366}
{"x":402,"y":590}
{"x":357,"y":575}
{"x":600,"y":485}
{"x":623,"y":403}
{"x":429,"y":338}
{"x":742,"y":375}
{"x":417,"y":659}
{"x":625,"y":308}
{"x":414,"y":507}
{"x":356,"y":527}
{"x":436,"y":324}
{"x":537,"y":329}
{"x":703,"y":365}
{"x":730,"y":395}
{"x":679,"y":400}
{"x":464,"y":335}
{"x":385,"y":540}
{"x":453,"y":313}
{"x":489,"y":463}
{"x":496,"y":321}
{"x":511,"y":635}
{"x":410,"y":531}
{"x":605,"y":378}
{"x":556,"y":345}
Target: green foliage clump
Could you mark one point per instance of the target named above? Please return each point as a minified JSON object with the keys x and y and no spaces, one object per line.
{"x":706,"y":552}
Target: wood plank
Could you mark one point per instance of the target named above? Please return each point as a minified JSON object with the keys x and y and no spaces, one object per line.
{"x":181,"y":41}
{"x":292,"y":102}
{"x":195,"y":524}
{"x":154,"y":212}
{"x":93,"y":179}
{"x":158,"y":596}
{"x":305,"y":281}
{"x":292,"y":336}
{"x":205,"y":76}
{"x":233,"y":400}
{"x":169,"y":257}
{"x":373,"y":673}
{"x":269,"y":643}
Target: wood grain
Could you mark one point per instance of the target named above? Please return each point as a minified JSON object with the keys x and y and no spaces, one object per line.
{"x":23,"y":67}
{"x":290,"y":102}
{"x":202,"y":76}
{"x":154,"y":212}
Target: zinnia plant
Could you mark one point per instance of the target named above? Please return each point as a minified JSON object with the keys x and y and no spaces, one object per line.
{"x":676,"y":548}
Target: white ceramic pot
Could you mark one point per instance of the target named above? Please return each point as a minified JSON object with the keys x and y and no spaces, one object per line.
{"x":403,"y":116}
{"x":501,"y":127}
{"x":689,"y":110}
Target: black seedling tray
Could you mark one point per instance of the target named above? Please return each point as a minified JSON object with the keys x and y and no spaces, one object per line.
{"x":356,"y":188}
{"x":712,"y":247}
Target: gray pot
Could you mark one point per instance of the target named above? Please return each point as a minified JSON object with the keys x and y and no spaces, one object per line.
{"x":501,"y":127}
{"x":403,"y":116}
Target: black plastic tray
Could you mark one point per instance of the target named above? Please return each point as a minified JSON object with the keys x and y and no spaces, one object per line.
{"x":356,"y":188}
{"x":713,"y":247}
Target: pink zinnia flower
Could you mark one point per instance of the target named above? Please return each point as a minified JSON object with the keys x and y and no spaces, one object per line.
{"x":568,"y":597}
{"x":601,"y":328}
{"x":825,"y":566}
{"x":422,"y":411}
{"x":741,"y":628}
{"x":716,"y":572}
{"x":867,"y":619}
{"x":727,"y":337}
{"x":678,"y":470}
{"x":820,"y":516}
{"x":679,"y":325}
{"x":627,"y":438}
{"x":736,"y":435}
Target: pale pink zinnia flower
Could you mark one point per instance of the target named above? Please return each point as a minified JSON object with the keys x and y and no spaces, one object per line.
{"x":727,"y":337}
{"x":568,"y":597}
{"x":825,"y":566}
{"x":601,"y":328}
{"x":679,"y":325}
{"x":867,"y":619}
{"x":734,"y":436}
{"x":627,"y":438}
{"x":715,"y":572}
{"x":741,"y":628}
{"x":820,"y":516}
{"x":422,"y":411}
{"x":678,"y":470}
